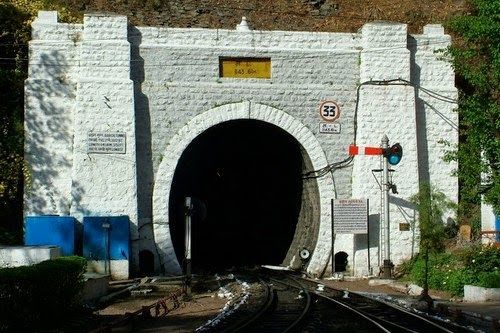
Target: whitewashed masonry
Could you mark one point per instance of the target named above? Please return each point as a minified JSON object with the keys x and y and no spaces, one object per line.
{"x":160,"y":88}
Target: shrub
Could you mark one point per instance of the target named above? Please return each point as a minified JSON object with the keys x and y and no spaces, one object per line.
{"x":38,"y":295}
{"x":457,"y":279}
{"x":476,"y":265}
{"x":489,"y":279}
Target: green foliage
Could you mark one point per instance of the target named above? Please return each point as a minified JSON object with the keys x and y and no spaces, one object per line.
{"x":431,"y":204}
{"x":13,"y":51}
{"x":10,"y":237}
{"x":39,"y":295}
{"x":15,"y":29}
{"x":476,"y":59}
{"x":479,"y":266}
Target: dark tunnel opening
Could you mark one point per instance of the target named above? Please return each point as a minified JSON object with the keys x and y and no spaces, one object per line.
{"x":248,"y":175}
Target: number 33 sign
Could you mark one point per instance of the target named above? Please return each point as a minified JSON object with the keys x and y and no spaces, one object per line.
{"x":329,"y":111}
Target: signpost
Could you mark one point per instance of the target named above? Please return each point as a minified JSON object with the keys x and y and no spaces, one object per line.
{"x":350,"y":216}
{"x":330,"y":128}
{"x":329,"y":111}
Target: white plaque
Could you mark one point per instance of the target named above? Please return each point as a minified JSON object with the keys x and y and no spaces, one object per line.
{"x":350,"y":216}
{"x":332,"y":128}
{"x":106,"y":142}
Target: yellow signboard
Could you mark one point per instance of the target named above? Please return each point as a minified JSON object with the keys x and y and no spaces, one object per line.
{"x":257,"y":68}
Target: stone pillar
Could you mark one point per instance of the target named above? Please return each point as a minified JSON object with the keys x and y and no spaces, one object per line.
{"x":390,"y":110}
{"x":104,"y":159}
{"x":48,"y":119}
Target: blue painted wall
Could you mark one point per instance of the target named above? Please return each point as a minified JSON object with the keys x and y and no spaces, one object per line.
{"x":95,"y":237}
{"x":497,"y":228}
{"x":52,"y":230}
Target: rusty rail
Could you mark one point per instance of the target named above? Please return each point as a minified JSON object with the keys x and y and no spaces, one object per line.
{"x":160,"y":307}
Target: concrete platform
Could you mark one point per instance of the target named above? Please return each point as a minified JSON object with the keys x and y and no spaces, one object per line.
{"x":15,"y":256}
{"x":480,"y":294}
{"x":96,"y":286}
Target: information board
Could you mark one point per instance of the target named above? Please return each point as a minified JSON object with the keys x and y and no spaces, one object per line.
{"x":350,"y":216}
{"x":257,"y":68}
{"x":106,"y":142}
{"x":330,"y":128}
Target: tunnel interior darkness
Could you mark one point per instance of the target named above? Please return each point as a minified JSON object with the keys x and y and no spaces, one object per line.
{"x":247,"y":174}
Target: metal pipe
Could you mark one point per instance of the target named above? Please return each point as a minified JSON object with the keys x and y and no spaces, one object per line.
{"x":187,"y":246}
{"x":387,"y":266}
{"x":107,"y":262}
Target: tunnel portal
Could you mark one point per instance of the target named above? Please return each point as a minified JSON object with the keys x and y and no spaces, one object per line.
{"x":247,"y":174}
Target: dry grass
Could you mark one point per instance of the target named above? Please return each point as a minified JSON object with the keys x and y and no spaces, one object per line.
{"x":331,"y":15}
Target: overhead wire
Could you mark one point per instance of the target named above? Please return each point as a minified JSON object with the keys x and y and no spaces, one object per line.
{"x":348,"y":161}
{"x":311,"y":174}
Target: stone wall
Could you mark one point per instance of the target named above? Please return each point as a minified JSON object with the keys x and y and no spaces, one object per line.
{"x":161,"y":86}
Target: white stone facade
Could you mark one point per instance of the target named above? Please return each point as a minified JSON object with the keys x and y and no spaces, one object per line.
{"x":15,"y":256}
{"x":162,"y":88}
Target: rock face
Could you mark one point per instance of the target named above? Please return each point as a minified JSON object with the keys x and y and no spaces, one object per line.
{"x":143,"y":94}
{"x":286,"y":15}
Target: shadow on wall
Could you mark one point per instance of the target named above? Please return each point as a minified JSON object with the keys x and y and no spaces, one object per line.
{"x":361,"y":240}
{"x":408,"y":211}
{"x":49,"y":93}
{"x":145,"y":176}
{"x":423,"y":157}
{"x":422,"y":106}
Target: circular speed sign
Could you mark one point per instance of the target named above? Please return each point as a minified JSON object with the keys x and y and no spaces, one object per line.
{"x":329,"y":111}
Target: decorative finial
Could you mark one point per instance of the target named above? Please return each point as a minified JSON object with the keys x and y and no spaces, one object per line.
{"x":243,"y":26}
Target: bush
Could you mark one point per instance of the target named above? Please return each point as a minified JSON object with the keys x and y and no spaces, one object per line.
{"x":489,"y":279}
{"x":38,"y":295}
{"x":479,"y":266}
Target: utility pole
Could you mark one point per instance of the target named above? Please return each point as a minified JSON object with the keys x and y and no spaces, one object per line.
{"x":386,"y":186}
{"x":187,"y":246}
{"x":391,"y":155}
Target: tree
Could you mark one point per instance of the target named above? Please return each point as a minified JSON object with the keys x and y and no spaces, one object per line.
{"x":431,"y":205}
{"x":476,"y":60}
{"x":13,"y":51}
{"x":15,"y":31}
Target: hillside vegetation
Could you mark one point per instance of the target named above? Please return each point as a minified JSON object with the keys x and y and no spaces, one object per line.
{"x":307,"y":15}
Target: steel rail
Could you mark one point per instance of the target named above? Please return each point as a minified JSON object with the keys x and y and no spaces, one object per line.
{"x":247,"y":322}
{"x":399,"y":308}
{"x":306,"y":307}
{"x":393,"y":306}
{"x":356,"y":311}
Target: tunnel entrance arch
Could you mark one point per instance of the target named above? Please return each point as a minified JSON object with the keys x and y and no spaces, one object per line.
{"x":240,"y":111}
{"x":245,"y":178}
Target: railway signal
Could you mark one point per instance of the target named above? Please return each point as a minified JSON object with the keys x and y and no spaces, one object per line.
{"x":392,"y":155}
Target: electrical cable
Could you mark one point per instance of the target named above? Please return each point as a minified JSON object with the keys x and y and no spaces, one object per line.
{"x":399,"y":82}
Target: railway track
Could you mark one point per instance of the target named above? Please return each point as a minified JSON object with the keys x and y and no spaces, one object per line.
{"x":289,"y":303}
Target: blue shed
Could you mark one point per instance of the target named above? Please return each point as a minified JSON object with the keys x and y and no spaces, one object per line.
{"x":497,"y":228}
{"x":52,"y":230}
{"x":105,"y":236}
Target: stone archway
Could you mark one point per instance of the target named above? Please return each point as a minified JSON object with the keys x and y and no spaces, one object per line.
{"x":224,"y":113}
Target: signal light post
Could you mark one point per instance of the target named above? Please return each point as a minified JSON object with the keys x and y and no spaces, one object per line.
{"x":387,"y":265}
{"x":392,"y":155}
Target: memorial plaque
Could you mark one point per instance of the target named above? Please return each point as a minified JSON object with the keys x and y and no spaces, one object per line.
{"x":256,"y":68}
{"x":350,"y":216}
{"x":106,"y":143}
